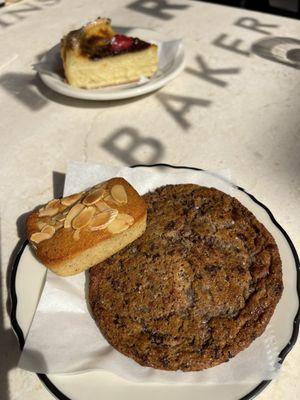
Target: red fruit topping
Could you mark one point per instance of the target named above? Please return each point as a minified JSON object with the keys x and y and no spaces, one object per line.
{"x":121,"y":42}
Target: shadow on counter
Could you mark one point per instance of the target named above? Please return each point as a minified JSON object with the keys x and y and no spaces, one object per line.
{"x":10,"y":348}
{"x":31,"y":92}
{"x":10,"y":352}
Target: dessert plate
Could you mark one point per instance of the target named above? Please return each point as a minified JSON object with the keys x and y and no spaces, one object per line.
{"x":171,"y":61}
{"x":27,"y":284}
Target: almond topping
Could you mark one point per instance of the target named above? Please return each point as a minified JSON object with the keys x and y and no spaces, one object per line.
{"x":48,"y":212}
{"x":102,"y":206}
{"x":83,"y":218}
{"x":55,"y":203}
{"x":121,"y":223}
{"x":76,"y":235}
{"x":70,"y":200}
{"x":61,"y":216}
{"x":40,"y":225}
{"x":128,"y":219}
{"x":108,"y":199}
{"x":50,"y":230}
{"x":102,"y":220}
{"x":38,"y":237}
{"x":119,"y":194}
{"x":58,"y":225}
{"x":93,"y":196}
{"x":75,"y":210}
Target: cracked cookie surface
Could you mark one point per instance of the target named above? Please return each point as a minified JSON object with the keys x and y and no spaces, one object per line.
{"x":197,"y":288}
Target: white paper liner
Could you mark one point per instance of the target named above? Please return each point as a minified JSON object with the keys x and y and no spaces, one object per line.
{"x":64,"y":338}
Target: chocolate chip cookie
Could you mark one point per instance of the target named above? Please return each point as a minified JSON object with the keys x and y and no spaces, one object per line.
{"x":197,"y":288}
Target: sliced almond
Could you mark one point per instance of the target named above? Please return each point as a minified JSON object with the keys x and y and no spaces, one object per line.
{"x":119,"y":194}
{"x":75,"y":210}
{"x":58,"y":225}
{"x":83,"y":218}
{"x":121,"y":223}
{"x":61,"y":216}
{"x":76,"y":235}
{"x":102,"y":206}
{"x":93,"y":196}
{"x":70,"y":200}
{"x":39,"y":237}
{"x":107,"y":198}
{"x":40,"y":225}
{"x":49,"y":229}
{"x":127,"y":218}
{"x":55,"y":203}
{"x":117,"y":226}
{"x":48,"y":212}
{"x":102,"y":220}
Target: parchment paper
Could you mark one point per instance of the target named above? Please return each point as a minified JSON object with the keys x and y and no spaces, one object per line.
{"x":64,"y":338}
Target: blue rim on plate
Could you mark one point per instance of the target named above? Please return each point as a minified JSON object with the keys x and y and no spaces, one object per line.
{"x":254,"y":392}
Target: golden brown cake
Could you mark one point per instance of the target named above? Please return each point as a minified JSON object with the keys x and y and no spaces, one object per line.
{"x":195,"y":289}
{"x":76,"y":232}
{"x":96,"y":56}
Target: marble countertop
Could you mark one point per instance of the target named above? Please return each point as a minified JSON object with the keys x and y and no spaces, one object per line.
{"x":236,"y":106}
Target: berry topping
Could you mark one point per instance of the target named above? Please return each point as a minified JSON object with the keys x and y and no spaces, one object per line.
{"x":121,"y":42}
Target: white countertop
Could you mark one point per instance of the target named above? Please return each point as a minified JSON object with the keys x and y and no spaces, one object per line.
{"x":230,"y":108}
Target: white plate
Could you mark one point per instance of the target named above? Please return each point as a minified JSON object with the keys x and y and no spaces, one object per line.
{"x":27,"y":284}
{"x":51,"y":71}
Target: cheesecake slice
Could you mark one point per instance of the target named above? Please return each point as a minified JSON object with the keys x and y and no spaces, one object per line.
{"x":96,"y":56}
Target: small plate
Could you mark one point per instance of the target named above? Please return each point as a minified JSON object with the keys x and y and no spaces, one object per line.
{"x":27,"y":281}
{"x":171,"y":61}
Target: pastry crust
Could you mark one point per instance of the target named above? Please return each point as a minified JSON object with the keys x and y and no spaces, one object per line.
{"x":73,"y":248}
